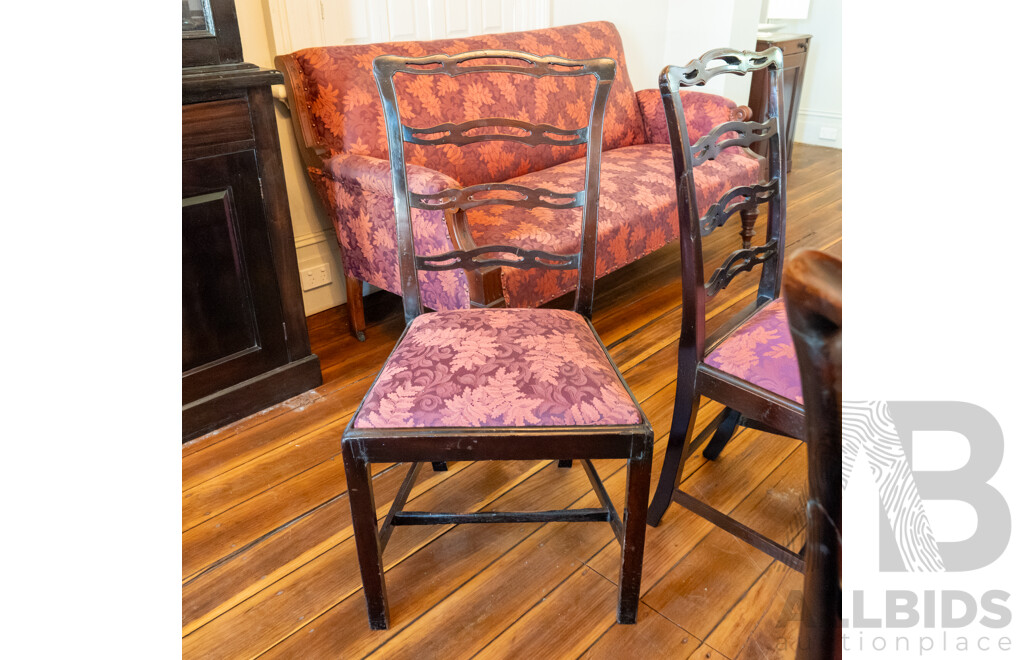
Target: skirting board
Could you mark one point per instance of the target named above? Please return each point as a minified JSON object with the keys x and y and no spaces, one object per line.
{"x":810,"y":124}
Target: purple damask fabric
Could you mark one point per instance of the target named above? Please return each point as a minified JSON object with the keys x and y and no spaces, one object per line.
{"x":497,"y":368}
{"x":761,"y":352}
{"x":356,"y":191}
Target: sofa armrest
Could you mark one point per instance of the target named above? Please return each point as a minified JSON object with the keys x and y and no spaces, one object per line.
{"x":703,"y":112}
{"x":312,"y":151}
{"x":374,"y":174}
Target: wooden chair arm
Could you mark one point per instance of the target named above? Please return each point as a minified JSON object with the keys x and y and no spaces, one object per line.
{"x":313,"y":152}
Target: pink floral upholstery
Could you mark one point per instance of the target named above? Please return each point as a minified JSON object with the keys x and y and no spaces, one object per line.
{"x":357,"y":194}
{"x":703,"y":112}
{"x":638,"y":216}
{"x":497,"y":367}
{"x":761,"y":352}
{"x":348,"y":116}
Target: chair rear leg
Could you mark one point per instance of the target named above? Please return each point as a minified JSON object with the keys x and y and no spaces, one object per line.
{"x":683,"y":417}
{"x":723,"y":434}
{"x":565,"y":463}
{"x":356,"y":317}
{"x":634,"y":518}
{"x":364,"y":528}
{"x":440,"y":466}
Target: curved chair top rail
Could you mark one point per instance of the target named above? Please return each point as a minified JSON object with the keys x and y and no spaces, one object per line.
{"x":736,"y":62}
{"x":453,"y":65}
{"x":476,"y":130}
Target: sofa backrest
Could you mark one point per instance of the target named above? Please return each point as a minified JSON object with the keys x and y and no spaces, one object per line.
{"x":346,"y":114}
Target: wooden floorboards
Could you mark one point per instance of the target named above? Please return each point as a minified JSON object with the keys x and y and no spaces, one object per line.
{"x":268,"y":559}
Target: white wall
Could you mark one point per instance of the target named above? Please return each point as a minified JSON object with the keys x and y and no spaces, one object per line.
{"x":821,"y":102}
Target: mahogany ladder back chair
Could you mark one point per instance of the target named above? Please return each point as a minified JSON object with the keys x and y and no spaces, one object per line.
{"x":813,"y":290}
{"x":749,"y":365}
{"x":496,"y":384}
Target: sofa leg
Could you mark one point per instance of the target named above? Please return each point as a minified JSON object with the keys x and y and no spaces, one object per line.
{"x":747,"y":218}
{"x":354,"y":291}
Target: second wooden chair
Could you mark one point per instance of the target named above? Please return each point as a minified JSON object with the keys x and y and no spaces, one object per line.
{"x":749,"y":364}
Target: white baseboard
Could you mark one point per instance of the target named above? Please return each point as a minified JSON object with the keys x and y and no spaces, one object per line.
{"x":814,"y":127}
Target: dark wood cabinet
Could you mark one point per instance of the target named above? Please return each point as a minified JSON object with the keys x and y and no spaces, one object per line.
{"x":244,"y":339}
{"x":794,"y":55}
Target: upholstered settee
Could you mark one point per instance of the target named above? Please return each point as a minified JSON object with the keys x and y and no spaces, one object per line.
{"x":339,"y":123}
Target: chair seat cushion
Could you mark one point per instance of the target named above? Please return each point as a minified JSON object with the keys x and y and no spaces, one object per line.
{"x":760,"y":351}
{"x":497,"y":368}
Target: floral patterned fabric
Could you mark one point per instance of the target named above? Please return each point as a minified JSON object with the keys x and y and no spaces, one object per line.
{"x":702,"y":111}
{"x":761,"y":352}
{"x":356,"y":191}
{"x":637,"y":215}
{"x":347,"y":114}
{"x":497,"y":368}
{"x":637,"y":193}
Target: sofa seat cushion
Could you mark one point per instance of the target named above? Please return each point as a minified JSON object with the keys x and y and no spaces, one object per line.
{"x":637,"y":214}
{"x":497,"y":368}
{"x":760,"y":351}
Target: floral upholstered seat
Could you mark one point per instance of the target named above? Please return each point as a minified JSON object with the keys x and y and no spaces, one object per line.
{"x":497,"y":367}
{"x":760,"y":351}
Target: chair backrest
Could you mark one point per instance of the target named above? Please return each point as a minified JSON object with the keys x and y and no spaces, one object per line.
{"x":385,"y":68}
{"x":696,"y":224}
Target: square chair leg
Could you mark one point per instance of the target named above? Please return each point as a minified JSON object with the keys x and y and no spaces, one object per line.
{"x":634,"y":523}
{"x":364,"y":528}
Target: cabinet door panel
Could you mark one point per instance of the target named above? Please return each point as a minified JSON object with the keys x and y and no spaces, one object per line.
{"x":231,"y":314}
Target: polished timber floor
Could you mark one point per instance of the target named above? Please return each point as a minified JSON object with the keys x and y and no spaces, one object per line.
{"x":268,"y":560}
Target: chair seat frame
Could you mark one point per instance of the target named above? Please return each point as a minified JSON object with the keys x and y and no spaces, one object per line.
{"x":438,"y":445}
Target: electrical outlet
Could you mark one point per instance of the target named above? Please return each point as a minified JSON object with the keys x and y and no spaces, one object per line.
{"x":828,"y":133}
{"x":317,"y":276}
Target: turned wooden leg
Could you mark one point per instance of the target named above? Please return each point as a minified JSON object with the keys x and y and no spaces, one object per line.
{"x":634,"y":516}
{"x":747,"y":219}
{"x":364,"y":528}
{"x":354,"y":291}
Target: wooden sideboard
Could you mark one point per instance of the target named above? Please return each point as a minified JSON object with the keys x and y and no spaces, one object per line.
{"x":244,"y":339}
{"x":794,"y":55}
